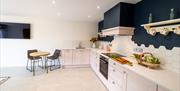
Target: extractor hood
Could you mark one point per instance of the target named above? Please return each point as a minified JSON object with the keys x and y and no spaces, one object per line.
{"x":119,"y":20}
{"x":124,"y":31}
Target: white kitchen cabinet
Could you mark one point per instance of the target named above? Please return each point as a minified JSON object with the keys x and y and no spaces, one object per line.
{"x":116,"y":77}
{"x":113,"y":85}
{"x":67,"y":56}
{"x":160,"y":88}
{"x":138,"y":83}
{"x":94,"y":61}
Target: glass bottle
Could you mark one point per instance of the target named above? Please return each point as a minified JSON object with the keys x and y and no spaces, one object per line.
{"x":172,"y":14}
{"x":150,"y":18}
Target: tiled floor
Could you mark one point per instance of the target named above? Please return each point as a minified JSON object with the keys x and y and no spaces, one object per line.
{"x":76,"y":79}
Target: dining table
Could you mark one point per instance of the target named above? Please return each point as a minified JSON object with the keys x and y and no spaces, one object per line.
{"x":40,"y":54}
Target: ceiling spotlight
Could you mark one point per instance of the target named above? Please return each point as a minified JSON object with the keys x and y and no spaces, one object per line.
{"x":98,"y":7}
{"x":53,"y":2}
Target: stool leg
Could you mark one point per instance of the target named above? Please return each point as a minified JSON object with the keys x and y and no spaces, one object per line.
{"x":46,"y":65}
{"x":59,"y":63}
{"x":27,"y":64}
{"x":33,"y":68}
{"x":42,"y":64}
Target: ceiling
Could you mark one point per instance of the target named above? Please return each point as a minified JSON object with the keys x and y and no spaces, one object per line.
{"x":76,"y":10}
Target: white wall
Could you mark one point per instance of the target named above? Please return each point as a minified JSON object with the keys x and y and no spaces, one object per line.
{"x":170,"y":59}
{"x":46,"y":35}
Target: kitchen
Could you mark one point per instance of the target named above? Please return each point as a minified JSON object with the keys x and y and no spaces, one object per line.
{"x":134,"y":45}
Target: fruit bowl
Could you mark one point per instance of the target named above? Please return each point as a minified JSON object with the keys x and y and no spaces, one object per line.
{"x":148,"y":60}
{"x":150,"y":65}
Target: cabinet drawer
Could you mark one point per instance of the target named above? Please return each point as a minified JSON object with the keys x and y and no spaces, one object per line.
{"x":115,"y":65}
{"x":113,"y":85}
{"x":117,"y":75}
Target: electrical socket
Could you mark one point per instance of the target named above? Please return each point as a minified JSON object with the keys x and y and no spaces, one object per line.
{"x":138,"y":49}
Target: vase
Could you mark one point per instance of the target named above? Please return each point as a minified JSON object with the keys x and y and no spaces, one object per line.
{"x":93,"y":45}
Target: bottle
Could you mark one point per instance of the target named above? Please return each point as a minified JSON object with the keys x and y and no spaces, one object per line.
{"x":172,"y":14}
{"x":150,"y":18}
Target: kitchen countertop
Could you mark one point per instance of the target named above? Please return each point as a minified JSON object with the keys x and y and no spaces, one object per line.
{"x":162,"y":77}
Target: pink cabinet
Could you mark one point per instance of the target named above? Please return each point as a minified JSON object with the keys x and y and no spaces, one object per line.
{"x":73,"y":57}
{"x":81,"y":57}
{"x":67,"y":56}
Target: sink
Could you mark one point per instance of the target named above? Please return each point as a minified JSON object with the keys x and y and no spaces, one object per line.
{"x":80,"y":47}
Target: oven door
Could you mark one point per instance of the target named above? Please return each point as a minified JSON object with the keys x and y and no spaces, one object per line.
{"x":104,"y":67}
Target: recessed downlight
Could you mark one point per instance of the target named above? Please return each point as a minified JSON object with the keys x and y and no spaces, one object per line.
{"x":98,"y":7}
{"x":89,"y":16}
{"x":53,"y":2}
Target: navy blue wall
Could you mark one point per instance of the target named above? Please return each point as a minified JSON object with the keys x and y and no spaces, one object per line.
{"x":160,"y":10}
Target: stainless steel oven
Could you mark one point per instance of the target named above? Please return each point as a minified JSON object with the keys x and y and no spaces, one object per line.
{"x":104,"y":66}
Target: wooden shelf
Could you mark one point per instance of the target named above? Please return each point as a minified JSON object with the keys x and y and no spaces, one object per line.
{"x":164,"y":27}
{"x":163,"y":22}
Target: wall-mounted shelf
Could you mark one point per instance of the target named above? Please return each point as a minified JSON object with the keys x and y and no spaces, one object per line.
{"x":164,"y":27}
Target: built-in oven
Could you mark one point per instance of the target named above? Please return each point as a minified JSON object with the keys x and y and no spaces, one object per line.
{"x":104,"y":66}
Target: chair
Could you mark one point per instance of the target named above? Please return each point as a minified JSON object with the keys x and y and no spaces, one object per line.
{"x":32,"y":59}
{"x":53,"y":59}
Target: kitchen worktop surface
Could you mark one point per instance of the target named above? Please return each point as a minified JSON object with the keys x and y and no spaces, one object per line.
{"x":162,"y":77}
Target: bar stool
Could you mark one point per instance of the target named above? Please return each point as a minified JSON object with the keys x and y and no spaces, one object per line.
{"x":33,"y":59}
{"x":55,"y":59}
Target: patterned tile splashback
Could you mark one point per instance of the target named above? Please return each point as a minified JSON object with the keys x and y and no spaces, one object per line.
{"x":170,"y":59}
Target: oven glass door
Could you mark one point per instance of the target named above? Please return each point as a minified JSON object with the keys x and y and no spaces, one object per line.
{"x":104,"y":68}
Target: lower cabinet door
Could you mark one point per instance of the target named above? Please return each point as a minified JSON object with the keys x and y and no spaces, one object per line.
{"x":67,"y":56}
{"x":138,"y":83}
{"x":113,"y":85}
{"x":81,"y":57}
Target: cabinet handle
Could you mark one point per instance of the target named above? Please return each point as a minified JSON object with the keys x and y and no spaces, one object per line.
{"x":114,"y":70}
{"x":113,"y":82}
{"x":114,"y":63}
{"x":124,"y":72}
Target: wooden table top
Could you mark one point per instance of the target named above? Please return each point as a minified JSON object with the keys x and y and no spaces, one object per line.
{"x":39,"y":53}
